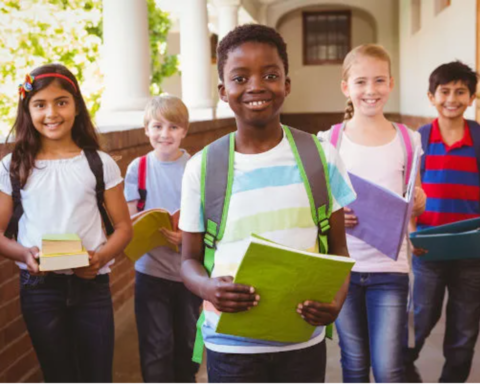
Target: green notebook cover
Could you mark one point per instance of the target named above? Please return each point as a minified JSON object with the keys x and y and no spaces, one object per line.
{"x":283,"y":277}
{"x":61,"y":237}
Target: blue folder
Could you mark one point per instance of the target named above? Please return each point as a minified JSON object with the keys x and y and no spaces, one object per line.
{"x":460,"y":240}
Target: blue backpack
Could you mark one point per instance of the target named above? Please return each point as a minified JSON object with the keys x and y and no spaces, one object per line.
{"x":425,"y":134}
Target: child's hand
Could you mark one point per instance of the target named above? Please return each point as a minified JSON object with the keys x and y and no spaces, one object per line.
{"x":315,"y":313}
{"x":419,"y":202}
{"x":31,"y":259}
{"x":91,"y":271}
{"x":350,"y":219}
{"x":419,"y":251}
{"x":173,"y":237}
{"x":227,"y":296}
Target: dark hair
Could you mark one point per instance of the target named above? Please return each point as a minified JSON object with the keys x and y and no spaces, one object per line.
{"x":454,"y":71}
{"x":27,"y":138}
{"x":250,"y":33}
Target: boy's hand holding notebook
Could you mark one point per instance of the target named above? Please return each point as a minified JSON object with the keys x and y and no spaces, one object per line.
{"x":147,"y":234}
{"x":62,"y":251}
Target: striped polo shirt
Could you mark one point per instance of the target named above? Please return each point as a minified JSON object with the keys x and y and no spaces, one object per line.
{"x":451,"y":180}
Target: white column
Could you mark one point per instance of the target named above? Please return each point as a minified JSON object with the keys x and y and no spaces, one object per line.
{"x":195,"y":60}
{"x":227,"y":16}
{"x":126,"y":62}
{"x":227,"y":21}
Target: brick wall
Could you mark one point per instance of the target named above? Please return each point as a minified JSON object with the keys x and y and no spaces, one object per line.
{"x":18,"y":362}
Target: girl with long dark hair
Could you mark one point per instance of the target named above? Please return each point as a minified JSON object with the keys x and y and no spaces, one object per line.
{"x":48,"y":185}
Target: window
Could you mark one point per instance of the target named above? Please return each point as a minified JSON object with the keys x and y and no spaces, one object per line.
{"x":326,"y":37}
{"x":440,"y":5}
{"x":416,"y":15}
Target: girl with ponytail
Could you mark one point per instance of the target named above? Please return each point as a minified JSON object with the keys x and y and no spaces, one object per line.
{"x":372,"y":321}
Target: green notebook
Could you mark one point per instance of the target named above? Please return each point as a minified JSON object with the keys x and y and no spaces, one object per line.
{"x":283,"y":277}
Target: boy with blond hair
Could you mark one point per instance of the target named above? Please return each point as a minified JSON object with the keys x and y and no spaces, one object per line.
{"x":165,"y":310}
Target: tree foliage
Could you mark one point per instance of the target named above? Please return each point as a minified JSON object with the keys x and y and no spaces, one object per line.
{"x":37,"y":32}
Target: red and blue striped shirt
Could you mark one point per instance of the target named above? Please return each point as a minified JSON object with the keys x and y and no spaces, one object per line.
{"x":451,"y":180}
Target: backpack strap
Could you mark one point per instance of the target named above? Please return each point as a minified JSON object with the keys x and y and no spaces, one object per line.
{"x":308,"y":151}
{"x":313,"y":168}
{"x":142,"y":183}
{"x":425,"y":137}
{"x":475,"y":134}
{"x":336,"y":134}
{"x":407,"y":151}
{"x":12,"y":229}
{"x":216,"y":181}
{"x":96,"y":166}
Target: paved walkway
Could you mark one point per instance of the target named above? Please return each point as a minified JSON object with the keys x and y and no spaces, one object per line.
{"x":127,"y":367}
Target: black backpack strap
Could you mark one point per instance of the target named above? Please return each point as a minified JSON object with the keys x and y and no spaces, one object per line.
{"x":12,"y":228}
{"x":96,"y":166}
{"x":425,"y":132}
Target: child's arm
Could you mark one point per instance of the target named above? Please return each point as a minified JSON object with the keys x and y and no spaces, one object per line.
{"x":118,"y":211}
{"x":10,"y":248}
{"x":316,"y":313}
{"x":132,"y":207}
{"x":412,"y":226}
{"x":420,"y":198}
{"x":220,"y":291}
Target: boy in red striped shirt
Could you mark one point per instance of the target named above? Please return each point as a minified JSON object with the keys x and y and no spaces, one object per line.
{"x":451,"y":181}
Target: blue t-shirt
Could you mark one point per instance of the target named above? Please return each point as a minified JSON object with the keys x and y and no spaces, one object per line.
{"x":164,"y":190}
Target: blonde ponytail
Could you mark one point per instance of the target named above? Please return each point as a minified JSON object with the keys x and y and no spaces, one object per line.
{"x":348,"y":110}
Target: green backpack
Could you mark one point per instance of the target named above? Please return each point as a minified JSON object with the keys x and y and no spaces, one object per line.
{"x":216,"y":190}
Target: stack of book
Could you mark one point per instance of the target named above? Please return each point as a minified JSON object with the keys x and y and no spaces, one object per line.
{"x":62,"y":252}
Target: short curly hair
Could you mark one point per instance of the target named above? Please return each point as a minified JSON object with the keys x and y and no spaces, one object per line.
{"x":250,"y":33}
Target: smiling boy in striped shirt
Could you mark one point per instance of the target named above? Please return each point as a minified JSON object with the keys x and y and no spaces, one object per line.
{"x":451,"y":181}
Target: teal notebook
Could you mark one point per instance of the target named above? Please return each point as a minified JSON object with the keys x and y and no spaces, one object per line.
{"x":460,"y":240}
{"x":283,"y":277}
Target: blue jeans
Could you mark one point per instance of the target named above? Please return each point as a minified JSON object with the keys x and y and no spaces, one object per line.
{"x":70,"y":322}
{"x":371,"y":327}
{"x":461,"y":278}
{"x":166,"y":313}
{"x":300,"y":366}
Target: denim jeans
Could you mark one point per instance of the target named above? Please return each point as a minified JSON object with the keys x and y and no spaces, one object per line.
{"x":371,"y":327}
{"x":300,"y":366}
{"x":70,"y":322}
{"x":461,"y":278}
{"x":166,"y":313}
